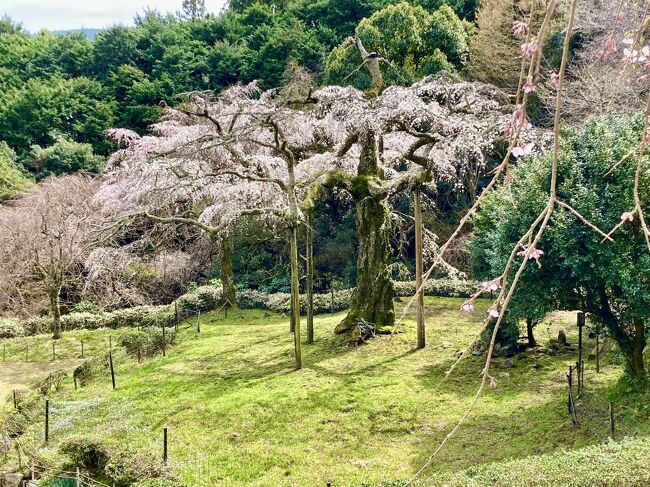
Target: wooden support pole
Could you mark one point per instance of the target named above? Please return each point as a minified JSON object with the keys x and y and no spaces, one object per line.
{"x":53,"y":351}
{"x":581,"y":325}
{"x":597,"y":353}
{"x":110,"y":361}
{"x":15,"y":400}
{"x":176,"y":314}
{"x":110,"y":342}
{"x":419,"y":269}
{"x":47,"y":420}
{"x":82,"y":349}
{"x":165,"y":445}
{"x":332,"y":299}
{"x":74,"y":379}
{"x":310,"y":275}
{"x":164,"y":338}
{"x":571,"y":403}
{"x":198,"y":322}
{"x":78,"y":478}
{"x":611,"y":420}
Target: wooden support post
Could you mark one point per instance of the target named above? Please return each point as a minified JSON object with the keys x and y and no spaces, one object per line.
{"x":419,"y":269}
{"x":164,"y":337}
{"x":82,"y":349}
{"x":110,"y":342}
{"x":332,"y":299}
{"x":74,"y":379}
{"x":198,"y":322}
{"x":15,"y":400}
{"x":176,"y":314}
{"x":598,"y":353}
{"x":611,"y":420}
{"x":47,"y":420}
{"x":78,"y":478}
{"x":53,"y":351}
{"x":165,"y":445}
{"x":110,"y":362}
{"x":571,"y":403}
{"x":581,"y":325}
{"x":139,"y":355}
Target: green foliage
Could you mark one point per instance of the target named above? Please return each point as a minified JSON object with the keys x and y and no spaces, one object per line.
{"x":414,"y":41}
{"x":130,"y":467}
{"x":13,"y":181}
{"x":64,"y":157}
{"x":608,"y":280}
{"x":33,"y":113}
{"x":84,"y":451}
{"x":146,"y":341}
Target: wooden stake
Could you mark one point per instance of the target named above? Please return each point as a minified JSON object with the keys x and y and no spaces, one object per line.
{"x":597,"y":353}
{"x":53,"y":351}
{"x":47,"y":420}
{"x":571,"y":403}
{"x":581,"y":324}
{"x":82,"y":349}
{"x":419,"y":268}
{"x":110,"y":361}
{"x":110,"y":342}
{"x":164,"y":337}
{"x":15,"y":401}
{"x":611,"y":420}
{"x":198,"y":322}
{"x":165,"y":445}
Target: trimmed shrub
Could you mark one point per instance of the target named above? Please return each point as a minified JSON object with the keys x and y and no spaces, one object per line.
{"x":84,"y":372}
{"x":11,"y":328}
{"x":202,"y":298}
{"x":146,"y":341}
{"x":125,"y":469}
{"x":88,"y":452}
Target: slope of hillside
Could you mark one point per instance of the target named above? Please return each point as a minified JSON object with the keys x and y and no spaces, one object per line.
{"x":237,"y":414}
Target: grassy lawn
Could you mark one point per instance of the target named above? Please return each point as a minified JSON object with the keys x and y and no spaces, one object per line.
{"x":239,"y":415}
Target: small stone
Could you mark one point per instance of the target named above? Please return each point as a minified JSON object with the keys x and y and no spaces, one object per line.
{"x":507,"y":364}
{"x":446,"y":345}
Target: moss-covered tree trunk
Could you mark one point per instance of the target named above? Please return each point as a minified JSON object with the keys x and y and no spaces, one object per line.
{"x":310,"y":276}
{"x":372,"y":299}
{"x":227,"y":275}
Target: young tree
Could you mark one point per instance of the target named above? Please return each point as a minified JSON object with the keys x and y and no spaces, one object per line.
{"x":45,"y":238}
{"x":576,"y":268}
{"x":193,"y":9}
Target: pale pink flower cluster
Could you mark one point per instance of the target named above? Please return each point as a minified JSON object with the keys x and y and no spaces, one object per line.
{"x":519,"y":28}
{"x":531,"y":252}
{"x":530,"y":48}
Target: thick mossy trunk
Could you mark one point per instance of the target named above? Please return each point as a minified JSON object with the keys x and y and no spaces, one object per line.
{"x":372,"y":299}
{"x":227,"y":275}
{"x":55,"y":309}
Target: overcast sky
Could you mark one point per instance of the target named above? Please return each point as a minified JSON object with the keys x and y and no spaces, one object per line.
{"x":73,"y":14}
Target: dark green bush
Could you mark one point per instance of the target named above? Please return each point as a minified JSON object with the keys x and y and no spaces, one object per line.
{"x":146,"y":341}
{"x":88,"y":452}
{"x":128,"y":468}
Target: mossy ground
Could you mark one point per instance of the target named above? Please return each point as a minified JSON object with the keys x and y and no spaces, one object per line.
{"x":238,"y":414}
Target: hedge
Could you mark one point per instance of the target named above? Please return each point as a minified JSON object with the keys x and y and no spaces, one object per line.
{"x":207,"y":298}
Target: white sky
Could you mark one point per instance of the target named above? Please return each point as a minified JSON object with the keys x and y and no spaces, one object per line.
{"x":74,"y":14}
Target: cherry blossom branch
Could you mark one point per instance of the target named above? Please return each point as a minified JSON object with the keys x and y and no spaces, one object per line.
{"x":546,"y":215}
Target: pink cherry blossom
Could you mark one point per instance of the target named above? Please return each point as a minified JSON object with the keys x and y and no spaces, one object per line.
{"x":493,"y":312}
{"x":520,"y":151}
{"x":519,"y":28}
{"x":626,"y":215}
{"x":529,"y":48}
{"x":554,"y":78}
{"x":609,"y":47}
{"x":529,"y":87}
{"x":493,"y":285}
{"x":532,"y":252}
{"x":467,"y":306}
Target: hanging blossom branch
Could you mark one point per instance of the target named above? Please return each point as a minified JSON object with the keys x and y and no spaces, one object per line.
{"x":515,"y":127}
{"x":538,"y":228}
